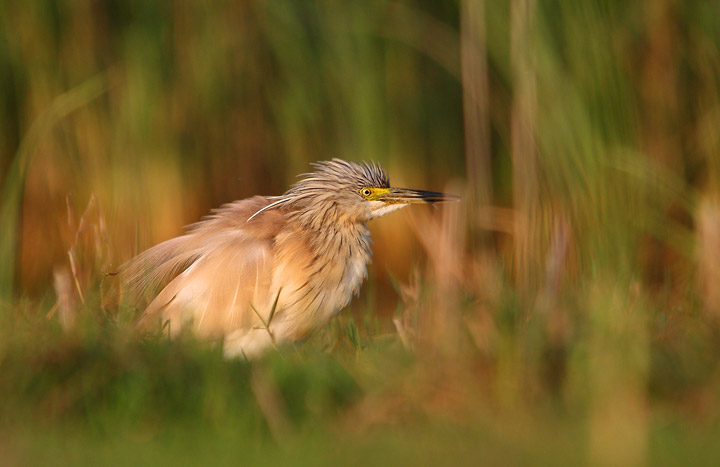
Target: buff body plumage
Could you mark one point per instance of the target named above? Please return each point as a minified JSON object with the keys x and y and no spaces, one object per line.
{"x":268,"y":270}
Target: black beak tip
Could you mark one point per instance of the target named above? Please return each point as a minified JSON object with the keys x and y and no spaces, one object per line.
{"x":433,"y":197}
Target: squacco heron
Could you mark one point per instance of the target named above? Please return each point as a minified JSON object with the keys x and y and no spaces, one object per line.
{"x":271,"y":269}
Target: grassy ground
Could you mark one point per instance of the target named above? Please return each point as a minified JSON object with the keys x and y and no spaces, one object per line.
{"x":102,"y":393}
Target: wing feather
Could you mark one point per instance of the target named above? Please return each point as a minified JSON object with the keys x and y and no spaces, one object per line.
{"x":212,"y":274}
{"x":216,"y":294}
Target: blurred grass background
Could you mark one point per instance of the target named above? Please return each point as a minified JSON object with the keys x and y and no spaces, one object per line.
{"x":567,"y":312}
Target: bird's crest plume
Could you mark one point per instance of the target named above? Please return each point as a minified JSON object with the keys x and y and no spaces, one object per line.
{"x":340,"y":173}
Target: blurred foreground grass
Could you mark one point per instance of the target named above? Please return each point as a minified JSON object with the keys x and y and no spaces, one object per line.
{"x":354,"y":394}
{"x":568,"y":312}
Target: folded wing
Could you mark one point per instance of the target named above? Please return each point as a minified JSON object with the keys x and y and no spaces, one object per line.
{"x":212,"y":277}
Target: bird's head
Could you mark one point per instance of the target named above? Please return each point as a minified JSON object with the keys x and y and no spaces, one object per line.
{"x":353,"y":191}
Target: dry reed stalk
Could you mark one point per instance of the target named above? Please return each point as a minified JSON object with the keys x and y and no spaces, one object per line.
{"x":68,"y":282}
{"x":66,"y":304}
{"x":708,"y":253}
{"x":444,"y":243}
{"x":473,"y":49}
{"x":523,"y":145}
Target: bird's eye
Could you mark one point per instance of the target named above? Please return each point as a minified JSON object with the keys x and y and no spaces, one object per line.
{"x":365,"y":192}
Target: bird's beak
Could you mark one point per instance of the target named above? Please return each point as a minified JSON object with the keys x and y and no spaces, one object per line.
{"x":407,"y":196}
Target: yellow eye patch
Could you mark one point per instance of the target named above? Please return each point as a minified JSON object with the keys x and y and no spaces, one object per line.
{"x":371,"y":194}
